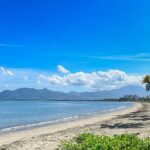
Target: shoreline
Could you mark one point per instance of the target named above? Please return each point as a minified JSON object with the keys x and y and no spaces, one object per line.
{"x":23,"y":135}
{"x":63,"y":120}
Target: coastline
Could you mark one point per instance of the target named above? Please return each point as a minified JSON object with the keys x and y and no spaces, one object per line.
{"x":37,"y":132}
{"x":63,"y":120}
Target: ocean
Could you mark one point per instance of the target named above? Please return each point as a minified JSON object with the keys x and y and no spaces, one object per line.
{"x":22,"y":114}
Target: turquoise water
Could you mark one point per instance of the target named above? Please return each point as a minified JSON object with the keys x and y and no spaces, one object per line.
{"x":20,"y":114}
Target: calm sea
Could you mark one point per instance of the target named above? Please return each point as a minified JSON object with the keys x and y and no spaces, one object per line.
{"x":20,"y":114}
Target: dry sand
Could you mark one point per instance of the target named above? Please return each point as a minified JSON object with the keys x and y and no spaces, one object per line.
{"x":130,"y":120}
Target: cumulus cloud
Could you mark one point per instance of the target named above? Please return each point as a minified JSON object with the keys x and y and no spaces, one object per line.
{"x":62,"y":69}
{"x":6,"y":72}
{"x":95,"y":80}
{"x":100,"y":80}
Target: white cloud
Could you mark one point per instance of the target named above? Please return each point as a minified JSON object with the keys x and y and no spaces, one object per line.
{"x":39,"y":81}
{"x":6,"y":72}
{"x":100,"y":80}
{"x":143,"y":57}
{"x":95,"y":80}
{"x":139,"y":57}
{"x":62,"y":69}
{"x":25,"y":78}
{"x":6,"y":85}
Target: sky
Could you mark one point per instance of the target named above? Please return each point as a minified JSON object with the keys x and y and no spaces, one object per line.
{"x":74,"y":45}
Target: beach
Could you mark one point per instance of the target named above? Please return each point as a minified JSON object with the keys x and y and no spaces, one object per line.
{"x":135,"y":119}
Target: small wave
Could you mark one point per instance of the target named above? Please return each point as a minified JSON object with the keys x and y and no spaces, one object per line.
{"x":21,"y":127}
{"x":37,"y":124}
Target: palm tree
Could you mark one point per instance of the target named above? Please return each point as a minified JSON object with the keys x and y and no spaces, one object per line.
{"x":146,"y":80}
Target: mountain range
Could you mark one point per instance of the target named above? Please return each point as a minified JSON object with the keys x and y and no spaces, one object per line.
{"x":45,"y":94}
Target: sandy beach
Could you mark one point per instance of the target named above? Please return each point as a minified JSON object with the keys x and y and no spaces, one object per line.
{"x":135,"y":119}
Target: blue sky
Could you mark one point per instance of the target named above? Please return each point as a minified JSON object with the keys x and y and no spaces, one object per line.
{"x":80,"y":35}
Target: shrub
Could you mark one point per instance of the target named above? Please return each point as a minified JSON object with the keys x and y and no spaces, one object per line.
{"x":88,"y":141}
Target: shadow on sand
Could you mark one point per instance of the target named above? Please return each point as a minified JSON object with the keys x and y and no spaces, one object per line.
{"x":137,"y":119}
{"x":122,"y":125}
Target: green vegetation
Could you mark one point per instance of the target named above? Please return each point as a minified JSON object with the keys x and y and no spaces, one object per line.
{"x":88,"y":141}
{"x":146,"y":80}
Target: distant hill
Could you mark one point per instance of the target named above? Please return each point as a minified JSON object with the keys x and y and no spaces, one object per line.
{"x":45,"y":94}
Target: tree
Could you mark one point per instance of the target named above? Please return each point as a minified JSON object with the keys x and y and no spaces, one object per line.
{"x":146,"y":80}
